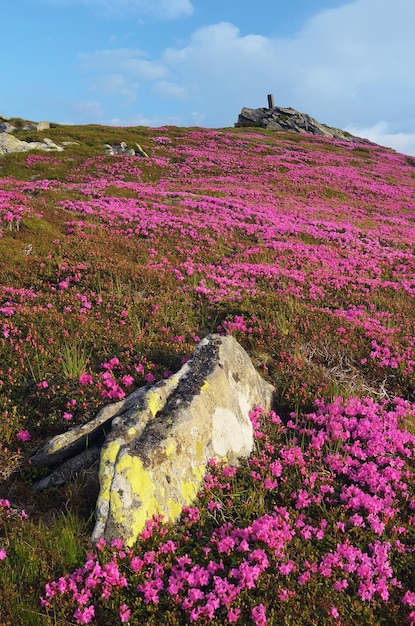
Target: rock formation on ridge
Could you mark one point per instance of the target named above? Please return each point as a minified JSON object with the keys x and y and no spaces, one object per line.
{"x":288,"y":119}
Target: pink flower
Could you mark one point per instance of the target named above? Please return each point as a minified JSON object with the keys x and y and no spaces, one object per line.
{"x":409,"y":598}
{"x":233,"y":615}
{"x":136,"y":564}
{"x":100,"y":544}
{"x":127,"y":380}
{"x":67,"y":416}
{"x":43,"y":384}
{"x":125,"y":613}
{"x":84,"y":616}
{"x":149,"y":378}
{"x":3,"y":554}
{"x":86,"y":379}
{"x":258,"y":615}
{"x":333,"y":612}
{"x":23,"y":435}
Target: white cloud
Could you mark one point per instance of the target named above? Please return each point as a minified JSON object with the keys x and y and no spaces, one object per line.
{"x":88,"y":110}
{"x":115,"y":85}
{"x":352,"y":65}
{"x":169,"y":90}
{"x":379,"y":133}
{"x":124,"y":61}
{"x":161,"y":9}
{"x":154,"y":121}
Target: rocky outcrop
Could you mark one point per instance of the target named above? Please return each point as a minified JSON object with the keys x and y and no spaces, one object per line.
{"x":122,"y":148}
{"x":9,"y":143}
{"x":6,"y":127}
{"x":288,"y":119}
{"x":155,"y":456}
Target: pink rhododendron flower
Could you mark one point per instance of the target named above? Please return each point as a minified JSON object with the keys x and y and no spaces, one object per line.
{"x":125,"y":613}
{"x":127,"y":380}
{"x":23,"y":435}
{"x":258,"y":615}
{"x":86,"y":379}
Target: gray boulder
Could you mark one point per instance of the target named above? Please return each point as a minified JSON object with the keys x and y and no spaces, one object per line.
{"x":123,"y":149}
{"x":153,"y":462}
{"x":156,"y":443}
{"x":9,"y":143}
{"x":6,"y":127}
{"x":290,"y":120}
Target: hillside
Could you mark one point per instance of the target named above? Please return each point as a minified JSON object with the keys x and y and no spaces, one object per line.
{"x":112,"y":267}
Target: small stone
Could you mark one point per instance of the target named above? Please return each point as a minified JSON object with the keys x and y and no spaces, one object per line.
{"x":42,"y":126}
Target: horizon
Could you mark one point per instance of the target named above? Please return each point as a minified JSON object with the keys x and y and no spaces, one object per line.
{"x":179,"y":62}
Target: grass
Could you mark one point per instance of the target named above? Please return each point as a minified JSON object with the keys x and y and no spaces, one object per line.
{"x":122,"y":265}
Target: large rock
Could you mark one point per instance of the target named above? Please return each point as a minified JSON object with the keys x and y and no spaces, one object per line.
{"x":154,"y":460}
{"x":288,"y":119}
{"x":155,"y":444}
{"x":6,"y":127}
{"x":10,"y":143}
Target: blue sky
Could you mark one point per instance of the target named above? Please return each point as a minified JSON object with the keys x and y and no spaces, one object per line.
{"x":347,"y":63}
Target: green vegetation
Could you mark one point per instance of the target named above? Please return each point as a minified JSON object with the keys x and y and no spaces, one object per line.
{"x":111,"y":270}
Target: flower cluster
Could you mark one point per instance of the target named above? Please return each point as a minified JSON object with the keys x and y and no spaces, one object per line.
{"x":331,"y":481}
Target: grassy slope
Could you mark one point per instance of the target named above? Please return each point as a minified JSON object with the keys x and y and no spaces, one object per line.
{"x":300,"y":247}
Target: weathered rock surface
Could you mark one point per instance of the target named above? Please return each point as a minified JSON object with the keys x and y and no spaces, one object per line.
{"x":122,"y":148}
{"x":78,"y":439}
{"x":10,"y":143}
{"x":155,"y":456}
{"x":288,"y":119}
{"x":154,"y":461}
{"x":6,"y":127}
{"x":42,"y":126}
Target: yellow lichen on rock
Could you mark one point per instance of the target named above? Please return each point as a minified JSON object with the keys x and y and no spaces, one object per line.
{"x":110,"y":452}
{"x":175,"y":509}
{"x":198,"y":472}
{"x":170,"y":448}
{"x":142,"y":488}
{"x":154,"y":402}
{"x":200,"y":449}
{"x":189,"y":490}
{"x":106,"y":470}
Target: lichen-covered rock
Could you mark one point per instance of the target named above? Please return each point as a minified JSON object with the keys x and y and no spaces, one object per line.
{"x":9,"y":143}
{"x":154,"y":459}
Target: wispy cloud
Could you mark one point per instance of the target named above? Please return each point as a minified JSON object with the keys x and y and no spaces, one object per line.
{"x":381,"y":134}
{"x":169,"y":90}
{"x":128,"y":62}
